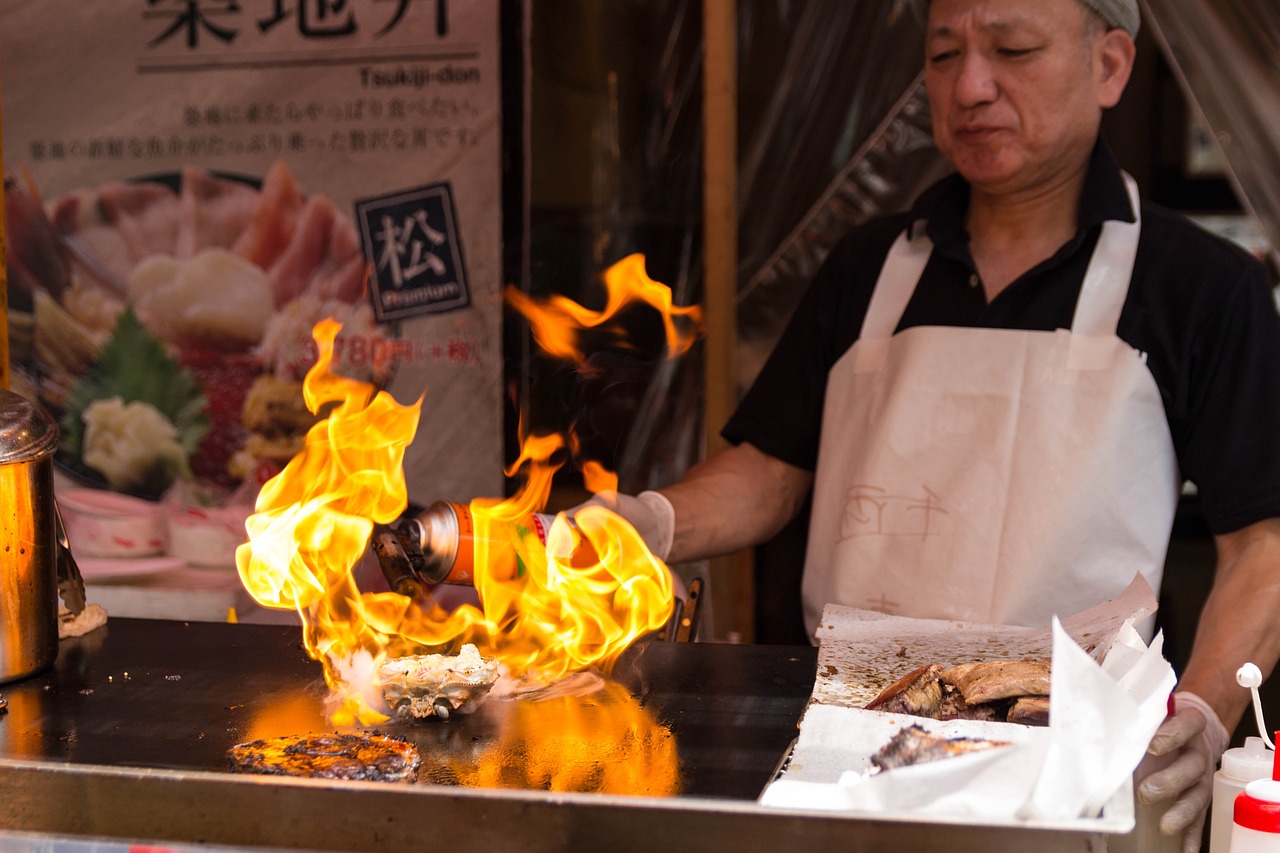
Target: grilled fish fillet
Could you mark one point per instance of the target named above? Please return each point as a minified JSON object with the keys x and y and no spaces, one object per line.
{"x":919,"y":692}
{"x":915,"y":745}
{"x":1003,"y":679}
{"x":1030,"y":711}
{"x":924,"y":692}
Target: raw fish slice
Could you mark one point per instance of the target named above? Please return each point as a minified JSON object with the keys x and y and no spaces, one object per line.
{"x":37,"y":259}
{"x":215,"y":212}
{"x":346,"y":284}
{"x":146,"y":214}
{"x":273,"y":219}
{"x":98,"y":251}
{"x":340,"y":275}
{"x":307,"y":250}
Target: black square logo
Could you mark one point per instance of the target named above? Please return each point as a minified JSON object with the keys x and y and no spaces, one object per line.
{"x":412,"y":243}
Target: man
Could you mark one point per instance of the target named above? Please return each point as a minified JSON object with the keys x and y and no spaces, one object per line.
{"x":970,"y":458}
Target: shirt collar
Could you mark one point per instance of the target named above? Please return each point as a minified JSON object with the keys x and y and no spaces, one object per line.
{"x":944,"y":205}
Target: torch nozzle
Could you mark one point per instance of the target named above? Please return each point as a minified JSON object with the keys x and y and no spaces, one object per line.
{"x":395,"y":553}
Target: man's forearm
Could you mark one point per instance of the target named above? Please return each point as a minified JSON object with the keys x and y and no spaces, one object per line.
{"x":1239,"y":620}
{"x":736,"y":499}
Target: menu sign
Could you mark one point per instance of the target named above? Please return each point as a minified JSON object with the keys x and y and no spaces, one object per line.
{"x":193,"y":184}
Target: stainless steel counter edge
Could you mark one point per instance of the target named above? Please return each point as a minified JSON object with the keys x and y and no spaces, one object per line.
{"x":157,"y":805}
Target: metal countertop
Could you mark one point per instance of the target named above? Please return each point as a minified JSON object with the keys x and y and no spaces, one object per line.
{"x":125,"y":737}
{"x":175,"y":695}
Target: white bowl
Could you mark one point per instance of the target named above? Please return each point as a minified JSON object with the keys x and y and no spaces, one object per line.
{"x":106,"y":524}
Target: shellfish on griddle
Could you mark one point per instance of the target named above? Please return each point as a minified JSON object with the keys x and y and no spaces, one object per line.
{"x":437,"y":685}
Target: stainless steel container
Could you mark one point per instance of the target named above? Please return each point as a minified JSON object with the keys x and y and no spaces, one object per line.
{"x":28,"y":539}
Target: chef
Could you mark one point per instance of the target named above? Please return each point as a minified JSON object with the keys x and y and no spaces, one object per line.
{"x":995,"y":398}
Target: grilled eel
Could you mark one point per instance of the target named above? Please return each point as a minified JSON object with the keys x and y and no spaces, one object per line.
{"x":974,"y":691}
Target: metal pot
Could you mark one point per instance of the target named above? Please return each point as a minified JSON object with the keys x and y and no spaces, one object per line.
{"x":33,"y":552}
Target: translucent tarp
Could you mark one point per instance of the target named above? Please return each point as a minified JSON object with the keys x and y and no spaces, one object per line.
{"x":832,"y":129}
{"x":1226,"y":55}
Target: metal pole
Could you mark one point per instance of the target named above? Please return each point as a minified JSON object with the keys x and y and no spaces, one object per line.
{"x":4,"y":275}
{"x":731,"y":577}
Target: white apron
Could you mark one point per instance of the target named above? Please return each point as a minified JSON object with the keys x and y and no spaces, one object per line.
{"x":991,"y":475}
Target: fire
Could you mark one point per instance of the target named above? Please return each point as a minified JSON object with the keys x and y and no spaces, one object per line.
{"x":312,"y":521}
{"x":608,"y":744}
{"x":577,"y":602}
{"x":558,"y":321}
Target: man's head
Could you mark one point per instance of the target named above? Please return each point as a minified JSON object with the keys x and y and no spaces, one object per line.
{"x":1017,"y":87}
{"x":1117,"y":14}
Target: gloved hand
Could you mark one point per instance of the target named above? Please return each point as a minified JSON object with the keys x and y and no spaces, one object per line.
{"x":650,"y":513}
{"x":1197,"y":737}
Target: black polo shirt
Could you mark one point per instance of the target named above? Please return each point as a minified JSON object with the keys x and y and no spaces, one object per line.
{"x":1200,"y":308}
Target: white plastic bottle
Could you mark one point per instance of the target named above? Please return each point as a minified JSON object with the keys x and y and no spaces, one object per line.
{"x":1256,"y":824}
{"x":1240,"y":766}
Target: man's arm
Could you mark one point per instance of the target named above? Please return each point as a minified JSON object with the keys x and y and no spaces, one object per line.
{"x":1236,"y":625}
{"x":737,"y":498}
{"x":1239,"y":619}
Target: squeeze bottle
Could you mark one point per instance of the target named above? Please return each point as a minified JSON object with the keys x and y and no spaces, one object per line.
{"x":1240,"y":766}
{"x":1247,"y":781}
{"x":1256,"y":819}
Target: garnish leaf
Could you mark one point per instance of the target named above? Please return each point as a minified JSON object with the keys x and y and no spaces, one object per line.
{"x":134,"y":366}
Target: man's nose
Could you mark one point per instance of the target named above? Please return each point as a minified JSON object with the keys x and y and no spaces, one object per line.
{"x":975,"y":80}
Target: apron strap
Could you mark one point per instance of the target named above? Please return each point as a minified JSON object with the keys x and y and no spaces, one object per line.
{"x":1093,"y":326}
{"x":1106,"y":283}
{"x":899,"y":274}
{"x":1102,"y":295}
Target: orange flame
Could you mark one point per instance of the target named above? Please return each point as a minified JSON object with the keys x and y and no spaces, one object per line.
{"x":607,"y":744}
{"x":557,"y":322}
{"x":577,"y":602}
{"x":599,"y":479}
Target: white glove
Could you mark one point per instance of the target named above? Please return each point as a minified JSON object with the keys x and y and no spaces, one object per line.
{"x":1196,"y":735}
{"x":650,"y":513}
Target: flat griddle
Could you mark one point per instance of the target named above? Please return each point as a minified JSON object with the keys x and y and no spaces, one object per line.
{"x":125,"y":738}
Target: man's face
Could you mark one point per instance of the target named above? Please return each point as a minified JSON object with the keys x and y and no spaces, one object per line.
{"x":1017,"y":87}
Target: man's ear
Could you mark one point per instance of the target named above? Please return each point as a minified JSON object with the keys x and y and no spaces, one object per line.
{"x":1114,"y":53}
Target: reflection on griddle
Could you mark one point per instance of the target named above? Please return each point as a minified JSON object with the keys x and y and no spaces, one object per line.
{"x":604,"y":743}
{"x":596,"y":740}
{"x":286,"y":713}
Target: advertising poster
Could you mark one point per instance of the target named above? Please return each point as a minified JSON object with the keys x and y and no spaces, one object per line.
{"x":191,"y":185}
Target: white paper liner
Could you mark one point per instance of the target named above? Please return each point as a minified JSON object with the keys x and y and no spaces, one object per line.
{"x":1103,"y":717}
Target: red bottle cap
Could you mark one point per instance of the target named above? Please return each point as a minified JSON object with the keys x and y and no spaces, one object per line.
{"x":1258,"y":806}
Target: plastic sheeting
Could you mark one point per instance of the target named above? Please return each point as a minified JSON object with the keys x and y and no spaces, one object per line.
{"x":832,"y":129}
{"x":1226,"y":55}
{"x":836,"y":129}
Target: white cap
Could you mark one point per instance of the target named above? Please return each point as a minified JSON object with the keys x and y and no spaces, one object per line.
{"x":1249,"y":762}
{"x":1122,"y":14}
